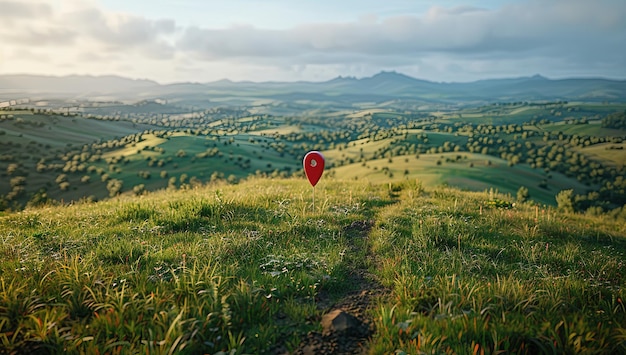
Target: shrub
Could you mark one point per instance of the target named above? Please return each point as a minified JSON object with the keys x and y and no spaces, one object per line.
{"x":523,"y":194}
{"x":114,"y":186}
{"x":565,"y":200}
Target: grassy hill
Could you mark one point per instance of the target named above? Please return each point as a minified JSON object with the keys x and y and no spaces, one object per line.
{"x":93,"y":150}
{"x":469,"y":171}
{"x":252,"y":268}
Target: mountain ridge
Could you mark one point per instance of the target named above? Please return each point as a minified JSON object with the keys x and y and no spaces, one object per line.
{"x":384,"y":84}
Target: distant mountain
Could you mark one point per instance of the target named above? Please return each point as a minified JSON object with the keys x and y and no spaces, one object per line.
{"x":383,"y":83}
{"x":525,"y":88}
{"x":382,"y":86}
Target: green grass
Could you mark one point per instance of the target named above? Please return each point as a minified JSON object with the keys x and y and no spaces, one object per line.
{"x":593,"y":128}
{"x":43,"y":146}
{"x":474,"y":172}
{"x":156,"y":155}
{"x":57,"y":131}
{"x":497,"y":281}
{"x":196,"y":271}
{"x":607,"y":152}
{"x":238,"y":268}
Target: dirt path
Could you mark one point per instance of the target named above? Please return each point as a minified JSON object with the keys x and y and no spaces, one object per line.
{"x":346,"y":324}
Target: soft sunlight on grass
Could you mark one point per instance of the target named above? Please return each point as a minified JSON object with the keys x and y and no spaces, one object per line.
{"x":466,"y":279}
{"x":238,"y":268}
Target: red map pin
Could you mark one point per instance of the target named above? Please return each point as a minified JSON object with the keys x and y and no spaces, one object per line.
{"x":313,"y":166}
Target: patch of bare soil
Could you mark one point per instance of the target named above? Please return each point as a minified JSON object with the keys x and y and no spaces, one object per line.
{"x":346,"y":324}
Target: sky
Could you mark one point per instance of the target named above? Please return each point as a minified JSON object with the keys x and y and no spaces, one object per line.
{"x":313,"y":40}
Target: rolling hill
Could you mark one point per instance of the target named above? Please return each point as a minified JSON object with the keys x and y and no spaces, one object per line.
{"x":218,"y":269}
{"x":67,"y":138}
{"x":137,"y":217}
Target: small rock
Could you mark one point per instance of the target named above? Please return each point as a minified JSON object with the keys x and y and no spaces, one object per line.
{"x":310,"y":350}
{"x":339,"y":321}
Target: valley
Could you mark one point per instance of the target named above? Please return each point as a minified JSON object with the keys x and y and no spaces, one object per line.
{"x":150,"y":221}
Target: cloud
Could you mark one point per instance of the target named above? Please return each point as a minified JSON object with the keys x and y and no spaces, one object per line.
{"x":86,"y":26}
{"x":515,"y":28}
{"x":551,"y":35}
{"x":562,"y":37}
{"x":119,"y":30}
{"x":44,"y":36}
{"x":22,"y":54}
{"x":20,"y":9}
{"x":90,"y":56}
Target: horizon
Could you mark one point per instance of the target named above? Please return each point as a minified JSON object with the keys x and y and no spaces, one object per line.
{"x":96,"y":76}
{"x":449,"y":41}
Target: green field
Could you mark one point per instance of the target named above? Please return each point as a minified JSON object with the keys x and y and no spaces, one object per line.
{"x":132,"y":149}
{"x":185,"y":224}
{"x":592,"y":129}
{"x":218,"y":269}
{"x":609,"y":152}
{"x":55,"y":131}
{"x":474,"y":172}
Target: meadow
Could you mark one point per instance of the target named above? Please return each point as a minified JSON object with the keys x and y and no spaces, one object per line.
{"x":63,"y":155}
{"x":468,"y":171}
{"x":482,"y":217}
{"x":252,"y":268}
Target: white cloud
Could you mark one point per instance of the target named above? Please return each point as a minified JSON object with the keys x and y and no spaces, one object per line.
{"x":119,"y":30}
{"x":20,"y":9}
{"x":458,"y":42}
{"x":511,"y":29}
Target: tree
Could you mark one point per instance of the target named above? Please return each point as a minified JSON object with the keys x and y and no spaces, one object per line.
{"x":114,"y":186}
{"x":216,"y":176}
{"x":616,"y":120}
{"x":522,"y":194}
{"x":171,"y":183}
{"x":12,"y":168}
{"x":61,"y":178}
{"x":565,"y":200}
{"x":18,"y":181}
{"x":139,"y":189}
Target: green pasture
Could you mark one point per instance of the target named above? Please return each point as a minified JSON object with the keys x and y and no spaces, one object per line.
{"x":519,"y":114}
{"x":497,"y":115}
{"x":437,"y":139}
{"x":612,"y":153}
{"x":368,"y":146}
{"x":354,"y":149}
{"x":281,"y":130}
{"x":368,"y":112}
{"x":60,"y":131}
{"x":602,"y":109}
{"x":592,"y":128}
{"x":468,"y":171}
{"x":148,"y":141}
{"x":183,"y":154}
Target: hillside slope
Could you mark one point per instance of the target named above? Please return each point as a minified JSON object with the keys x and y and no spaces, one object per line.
{"x":251,"y":268}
